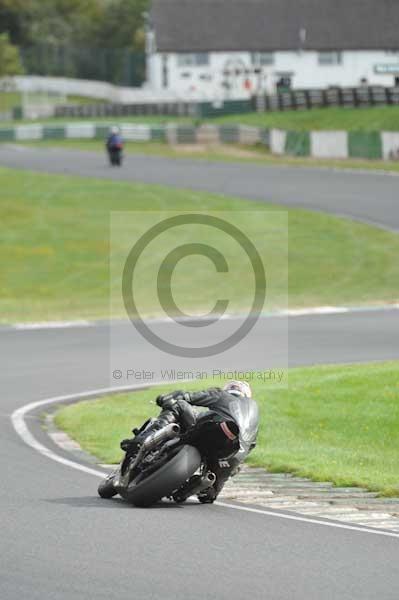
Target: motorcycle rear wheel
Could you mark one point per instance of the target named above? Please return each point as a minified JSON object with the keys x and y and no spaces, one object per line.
{"x":166,"y":479}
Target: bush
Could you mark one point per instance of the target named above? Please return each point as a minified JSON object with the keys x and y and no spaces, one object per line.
{"x":10,"y":63}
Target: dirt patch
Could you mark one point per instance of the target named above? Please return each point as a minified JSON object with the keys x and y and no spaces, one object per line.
{"x":226,"y":150}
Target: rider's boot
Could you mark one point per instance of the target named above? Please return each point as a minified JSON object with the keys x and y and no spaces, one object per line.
{"x":131,"y":444}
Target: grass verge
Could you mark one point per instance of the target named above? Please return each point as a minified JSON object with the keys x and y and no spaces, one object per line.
{"x":10,"y":100}
{"x":333,"y":423}
{"x":55,"y":248}
{"x":108,"y":121}
{"x":378,"y":118}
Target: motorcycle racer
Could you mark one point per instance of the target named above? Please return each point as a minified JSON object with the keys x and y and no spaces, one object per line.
{"x":230,"y":424}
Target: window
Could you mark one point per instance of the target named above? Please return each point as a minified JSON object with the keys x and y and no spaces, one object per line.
{"x":200,"y":59}
{"x":260,"y":59}
{"x":330,"y":58}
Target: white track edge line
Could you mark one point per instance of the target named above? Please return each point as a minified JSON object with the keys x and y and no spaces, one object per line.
{"x":300,"y":312}
{"x":18,"y":422}
{"x":309,"y":520}
{"x":53,"y":324}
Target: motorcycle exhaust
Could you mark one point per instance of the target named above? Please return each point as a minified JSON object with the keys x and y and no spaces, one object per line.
{"x":206,"y":482}
{"x":166,"y":433}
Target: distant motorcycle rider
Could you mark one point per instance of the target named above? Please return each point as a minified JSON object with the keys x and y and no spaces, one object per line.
{"x":230,"y":425}
{"x":114,"y":146}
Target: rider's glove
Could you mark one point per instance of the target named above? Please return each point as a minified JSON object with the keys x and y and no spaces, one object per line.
{"x":171,"y":404}
{"x":164,"y":399}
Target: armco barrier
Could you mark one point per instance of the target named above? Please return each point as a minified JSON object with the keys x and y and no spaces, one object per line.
{"x":327,"y":144}
{"x":297,"y":143}
{"x":171,"y":133}
{"x":176,"y":108}
{"x":321,"y":98}
{"x":372,"y":145}
{"x":229,"y":134}
{"x":7,"y":135}
{"x":278,"y":139}
{"x":317,"y":144}
{"x":364,"y":144}
{"x":390,"y":144}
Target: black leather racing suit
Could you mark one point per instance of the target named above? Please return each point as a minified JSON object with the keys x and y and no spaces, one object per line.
{"x":226,"y":407}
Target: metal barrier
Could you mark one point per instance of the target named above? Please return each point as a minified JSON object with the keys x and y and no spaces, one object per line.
{"x":333,"y":97}
{"x":199,"y":110}
{"x":172,"y":133}
{"x":316,"y":144}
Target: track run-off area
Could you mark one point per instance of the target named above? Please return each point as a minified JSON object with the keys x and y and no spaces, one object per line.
{"x":58,"y":540}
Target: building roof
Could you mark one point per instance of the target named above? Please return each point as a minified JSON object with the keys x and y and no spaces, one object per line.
{"x":266,"y":25}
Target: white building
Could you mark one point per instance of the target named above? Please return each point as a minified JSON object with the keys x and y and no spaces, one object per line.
{"x":234,"y":48}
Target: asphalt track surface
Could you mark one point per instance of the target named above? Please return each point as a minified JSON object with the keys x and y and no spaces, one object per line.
{"x":372,"y":198}
{"x":59,"y":541}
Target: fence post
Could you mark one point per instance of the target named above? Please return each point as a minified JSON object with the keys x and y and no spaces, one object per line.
{"x":371,"y":96}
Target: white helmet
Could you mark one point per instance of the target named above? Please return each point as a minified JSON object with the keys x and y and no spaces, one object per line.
{"x":238,"y":388}
{"x":114,"y":130}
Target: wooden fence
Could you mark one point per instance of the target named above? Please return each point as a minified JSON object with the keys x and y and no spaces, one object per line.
{"x":338,"y":97}
{"x":196,"y":110}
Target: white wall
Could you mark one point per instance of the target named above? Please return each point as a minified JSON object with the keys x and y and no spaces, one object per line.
{"x":193,"y":87}
{"x":304,"y":66}
{"x":355,"y":66}
{"x":90,"y":89}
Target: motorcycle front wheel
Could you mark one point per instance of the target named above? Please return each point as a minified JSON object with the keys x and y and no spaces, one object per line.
{"x":165,"y":480}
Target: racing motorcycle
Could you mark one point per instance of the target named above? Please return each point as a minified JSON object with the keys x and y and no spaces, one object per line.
{"x":169,"y":463}
{"x":115,"y":155}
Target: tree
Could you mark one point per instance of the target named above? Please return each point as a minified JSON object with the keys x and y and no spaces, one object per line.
{"x":15,"y":19}
{"x":10,"y":63}
{"x":84,"y":23}
{"x":64,"y":22}
{"x":122,"y":22}
{"x":91,"y":39}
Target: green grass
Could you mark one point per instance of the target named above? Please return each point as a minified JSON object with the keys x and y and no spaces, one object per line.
{"x":9,"y":100}
{"x":382,"y":118}
{"x":85,"y":100}
{"x":150,"y":119}
{"x":55,"y":249}
{"x":221,"y":152}
{"x":338,"y":424}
